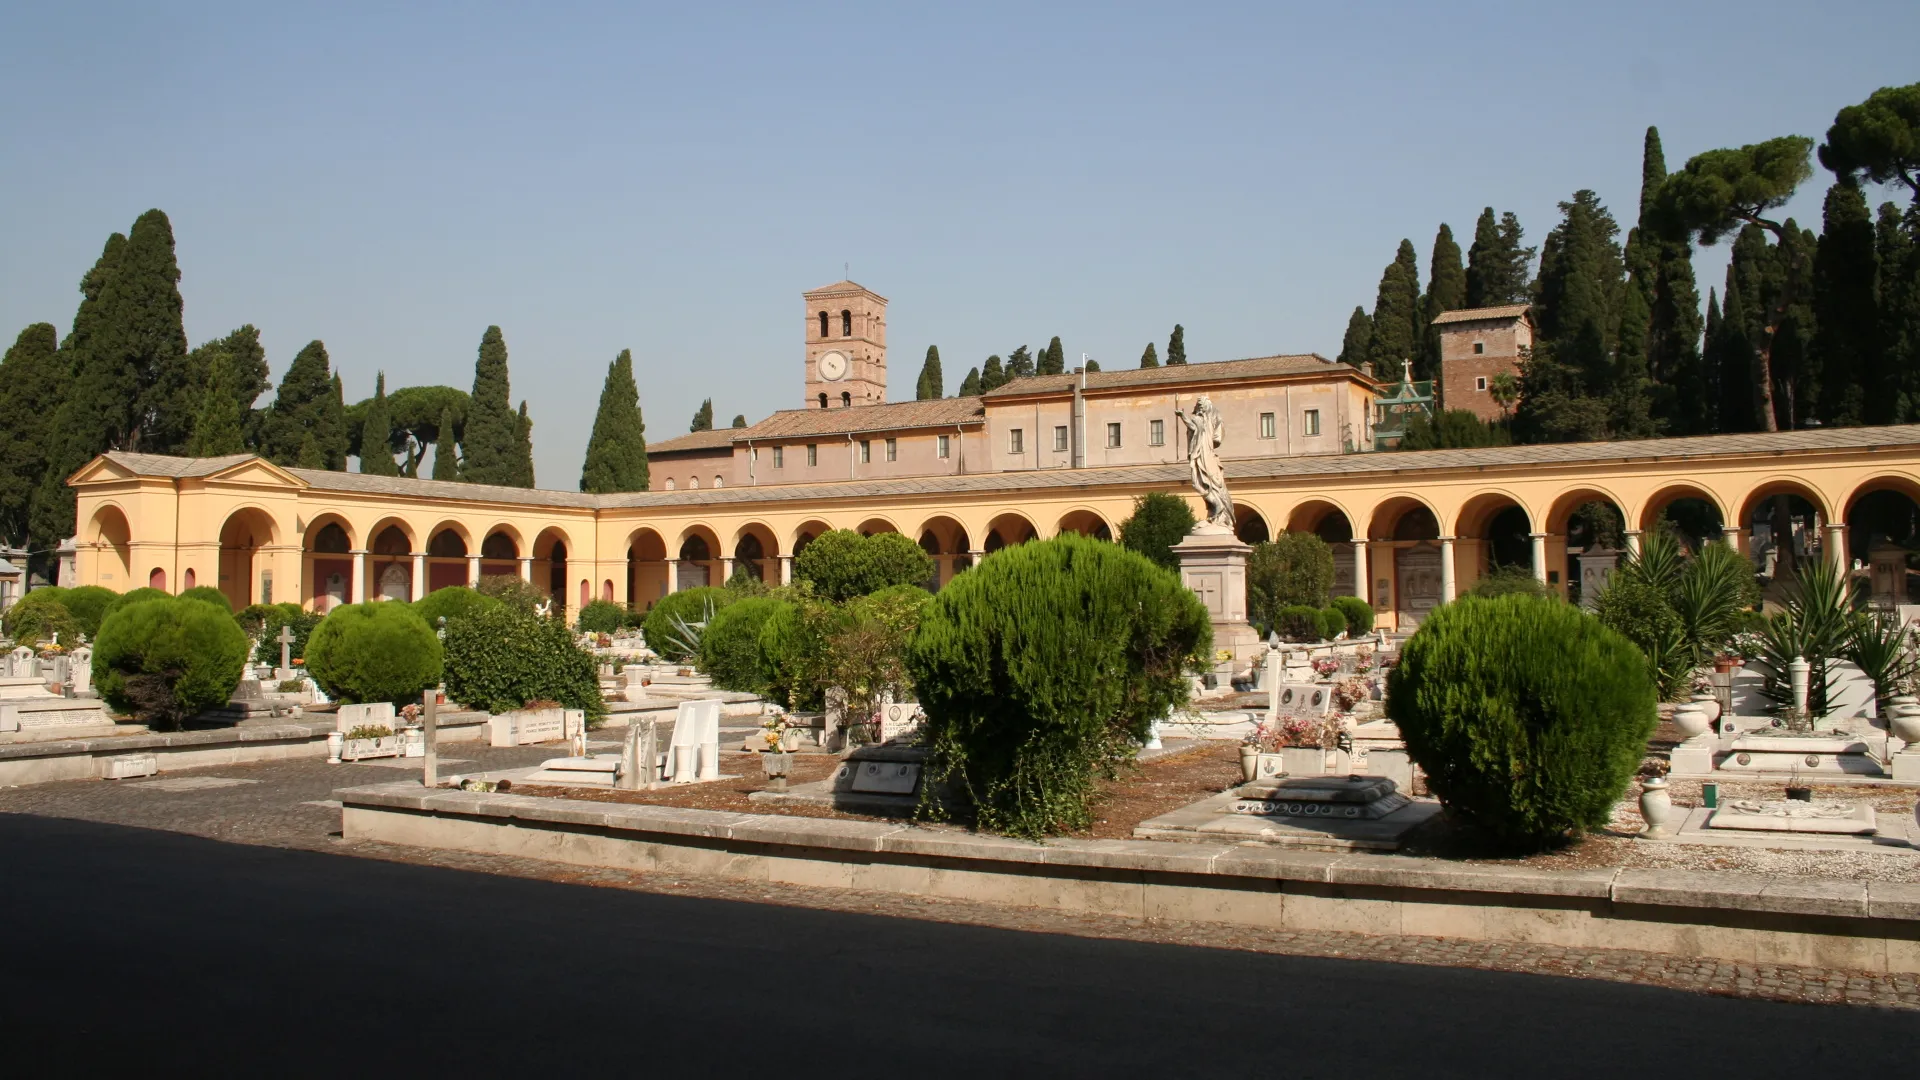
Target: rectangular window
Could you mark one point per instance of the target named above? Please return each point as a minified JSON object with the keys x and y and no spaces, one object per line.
{"x":940,"y":446}
{"x":866,"y":451}
{"x":813,"y":454}
{"x":1311,"y":425}
{"x":779,"y":457}
{"x":1479,"y":347}
{"x":1113,"y":436}
{"x":893,"y":449}
{"x":1266,"y":425}
{"x":1017,"y":441}
{"x":1480,"y":382}
{"x":1156,"y":433}
{"x":1060,"y":437}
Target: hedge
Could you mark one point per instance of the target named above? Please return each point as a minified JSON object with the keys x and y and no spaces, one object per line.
{"x":453,"y":602}
{"x":207,"y":594}
{"x":842,"y":564}
{"x":376,"y":651}
{"x":39,"y":615}
{"x":1359,"y":615}
{"x":1333,"y":622}
{"x":730,"y":648}
{"x":688,"y":606}
{"x":89,"y":604}
{"x":135,"y":596}
{"x":1528,"y":716}
{"x":1041,"y":670}
{"x":499,"y":658}
{"x":602,"y":617}
{"x":166,"y":659}
{"x":296,"y":619}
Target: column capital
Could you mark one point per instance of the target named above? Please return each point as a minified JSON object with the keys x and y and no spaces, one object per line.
{"x":1633,"y":532}
{"x":1446,"y":539}
{"x":359,"y":551}
{"x":1538,"y":536}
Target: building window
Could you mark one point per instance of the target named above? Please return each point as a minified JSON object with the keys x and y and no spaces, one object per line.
{"x":1113,"y":436}
{"x":779,"y":457}
{"x":846,"y":324}
{"x":1479,"y":347}
{"x":1017,"y":441}
{"x":1480,"y":382}
{"x":823,"y":401}
{"x":669,"y":483}
{"x":693,"y":483}
{"x":893,"y":449}
{"x":1266,"y":425}
{"x":1311,"y":425}
{"x":823,"y":326}
{"x":718,"y":483}
{"x":866,"y":451}
{"x":940,"y":446}
{"x":813,"y":454}
{"x":1156,"y":433}
{"x":1060,"y":437}
{"x":846,"y":398}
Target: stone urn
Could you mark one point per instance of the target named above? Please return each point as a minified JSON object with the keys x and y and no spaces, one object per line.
{"x":1710,"y":703}
{"x":1249,"y":763}
{"x":777,"y":767}
{"x":1904,"y":722}
{"x":336,"y":742}
{"x":1656,"y":805}
{"x":1691,"y":719}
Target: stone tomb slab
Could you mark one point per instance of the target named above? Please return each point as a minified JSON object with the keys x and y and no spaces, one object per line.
{"x":1328,"y":813}
{"x":1791,"y":816}
{"x":1896,"y":836}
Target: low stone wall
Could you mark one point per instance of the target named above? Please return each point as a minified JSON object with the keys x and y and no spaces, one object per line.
{"x":1855,"y":925}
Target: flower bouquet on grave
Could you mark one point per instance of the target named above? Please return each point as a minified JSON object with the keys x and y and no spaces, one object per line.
{"x":410,"y":714}
{"x":1350,"y":692}
{"x":1363,"y":660}
{"x":1326,"y":667}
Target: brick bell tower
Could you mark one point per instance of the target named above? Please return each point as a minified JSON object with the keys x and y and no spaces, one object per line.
{"x":846,"y":335}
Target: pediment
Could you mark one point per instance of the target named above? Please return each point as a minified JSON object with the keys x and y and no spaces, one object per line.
{"x":101,"y":470}
{"x":255,"y":472}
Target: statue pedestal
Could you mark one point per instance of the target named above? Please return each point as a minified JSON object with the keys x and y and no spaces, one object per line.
{"x":1213,"y":563}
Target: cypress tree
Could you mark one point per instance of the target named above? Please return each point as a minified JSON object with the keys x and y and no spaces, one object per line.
{"x":152,"y":338}
{"x":1356,"y":347}
{"x":1092,"y":364}
{"x":446,"y":456}
{"x":1735,"y":362}
{"x":1019,"y":364}
{"x":1708,"y":421}
{"x":617,"y":450}
{"x":1854,"y":388}
{"x":1150,"y":358}
{"x":1581,"y":273}
{"x":1899,"y":302}
{"x":1497,"y":264}
{"x":523,"y":456}
{"x":492,"y":437}
{"x":376,"y":433}
{"x":309,"y":455}
{"x":1446,"y":291}
{"x":244,"y":361}
{"x":739,"y":420}
{"x":96,"y":413}
{"x":1396,"y":331}
{"x":1177,"y":346}
{"x":991,"y":375}
{"x":301,"y":407}
{"x":932,"y":384}
{"x":35,"y":380}
{"x":1053,"y":360}
{"x":702,"y":417}
{"x":970,"y":386}
{"x":218,"y":429}
{"x":1662,"y":271}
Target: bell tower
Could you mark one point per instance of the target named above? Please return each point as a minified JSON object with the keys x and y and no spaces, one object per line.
{"x":846,"y":336}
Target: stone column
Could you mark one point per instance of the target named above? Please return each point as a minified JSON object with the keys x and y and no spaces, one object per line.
{"x":526,"y":569}
{"x":360,"y":578}
{"x":1633,"y":540}
{"x":473,"y":570}
{"x":786,"y":569}
{"x":1446,"y":569}
{"x":1732,"y":535}
{"x":1362,"y":573}
{"x":1837,"y":545}
{"x":419,"y":575}
{"x":673,"y":576}
{"x":726,"y":569}
{"x":1539,"y":556}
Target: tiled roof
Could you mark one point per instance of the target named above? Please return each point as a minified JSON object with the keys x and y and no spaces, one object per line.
{"x":167,"y":465}
{"x":1175,"y":374}
{"x":715,"y":439}
{"x":898,"y":416}
{"x":1482,"y":314}
{"x":842,"y":287}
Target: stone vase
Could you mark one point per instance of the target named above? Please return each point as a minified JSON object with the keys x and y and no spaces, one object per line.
{"x":1905,"y":723}
{"x":1710,"y":704}
{"x":336,"y":742}
{"x":776,"y":765}
{"x":1249,"y":764}
{"x":1656,"y":805}
{"x":1691,"y":719}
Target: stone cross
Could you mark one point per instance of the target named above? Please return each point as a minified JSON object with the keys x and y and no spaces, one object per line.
{"x":286,"y":646}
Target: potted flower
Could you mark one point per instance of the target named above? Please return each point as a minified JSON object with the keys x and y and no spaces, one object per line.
{"x":776,"y":761}
{"x":1250,"y":746}
{"x":1363,"y":661}
{"x":370,"y":741}
{"x":1656,"y":803}
{"x":1325,"y":668}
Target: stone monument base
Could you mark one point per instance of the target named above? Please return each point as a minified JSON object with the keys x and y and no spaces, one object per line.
{"x":1213,"y":563}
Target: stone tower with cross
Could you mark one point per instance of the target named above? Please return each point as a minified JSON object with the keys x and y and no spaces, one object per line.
{"x":846,"y":336}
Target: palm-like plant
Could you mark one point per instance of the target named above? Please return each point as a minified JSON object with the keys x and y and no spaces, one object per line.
{"x":1817,"y":624}
{"x":1701,"y":597}
{"x":1712,"y":590}
{"x":1877,"y":644}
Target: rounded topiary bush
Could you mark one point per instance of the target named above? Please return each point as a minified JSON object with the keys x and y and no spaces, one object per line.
{"x":207,"y":594}
{"x":89,"y":604}
{"x":792,"y":655}
{"x":453,"y":602}
{"x":1333,"y":622}
{"x":1041,"y":669}
{"x":166,"y":659}
{"x":688,"y":606}
{"x":38,"y":616}
{"x":297,"y":620}
{"x":135,"y":596}
{"x":378,"y":651}
{"x":730,"y":648}
{"x":842,"y":564}
{"x":1299,"y":622}
{"x":1359,"y":614}
{"x":1527,"y":714}
{"x":499,"y":658}
{"x":602,"y":617}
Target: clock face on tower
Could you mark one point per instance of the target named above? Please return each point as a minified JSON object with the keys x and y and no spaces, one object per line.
{"x":833,"y":366}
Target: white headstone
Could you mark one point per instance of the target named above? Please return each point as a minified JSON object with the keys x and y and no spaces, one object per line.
{"x":22,"y":664}
{"x":379,"y":713}
{"x":80,"y":672}
{"x":336,"y":591}
{"x":396,"y":583}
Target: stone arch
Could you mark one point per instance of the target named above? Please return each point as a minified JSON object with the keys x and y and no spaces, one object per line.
{"x":1007,"y":529}
{"x":699,"y":558}
{"x":242,"y":579}
{"x":111,"y":538}
{"x":551,"y":550}
{"x":647,"y":578}
{"x":157,"y":578}
{"x":1085,"y":522}
{"x":1793,"y":511}
{"x":1404,"y":517}
{"x":757,"y":548}
{"x":448,"y":546}
{"x":1250,"y":525}
{"x":1793,"y":487}
{"x":807,"y":532}
{"x":1322,"y":517}
{"x":945,"y":540}
{"x":875,"y":525}
{"x":1493,"y":529}
{"x":1883,"y":530}
{"x":326,"y":569}
{"x":1695,"y":510}
{"x":500,"y":552}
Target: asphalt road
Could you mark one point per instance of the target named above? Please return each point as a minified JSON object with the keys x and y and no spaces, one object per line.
{"x":174,"y":954}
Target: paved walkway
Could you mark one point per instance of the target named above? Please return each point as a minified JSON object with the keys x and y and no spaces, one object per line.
{"x":289,"y":805}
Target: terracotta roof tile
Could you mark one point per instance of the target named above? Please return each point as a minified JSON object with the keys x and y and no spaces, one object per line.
{"x":167,"y":465}
{"x":842,"y":287}
{"x":698,"y":440}
{"x":897,"y":416}
{"x":1174,"y":374}
{"x":1480,"y":314}
{"x":325,"y":480}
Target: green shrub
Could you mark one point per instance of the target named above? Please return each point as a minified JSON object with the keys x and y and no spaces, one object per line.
{"x":166,"y":659}
{"x":1502,"y":580}
{"x":89,"y":604}
{"x":39,"y":615}
{"x":689,"y":606}
{"x":730,"y":647}
{"x":602,"y":617}
{"x":792,"y":653}
{"x":1041,"y":669}
{"x":453,"y":602}
{"x":1359,"y":615}
{"x":1640,"y":613}
{"x":253,"y":618}
{"x":1299,"y":622}
{"x":135,"y":596}
{"x":500,"y":658}
{"x":1528,"y":715}
{"x":376,"y":651}
{"x":1333,"y":622}
{"x":842,"y":564}
{"x":1159,"y":521}
{"x":864,"y":649}
{"x":296,"y":619}
{"x":509,"y":589}
{"x":207,"y":594}
{"x":1295,"y":570}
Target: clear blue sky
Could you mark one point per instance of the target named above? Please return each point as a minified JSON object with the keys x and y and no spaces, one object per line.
{"x":393,"y":178}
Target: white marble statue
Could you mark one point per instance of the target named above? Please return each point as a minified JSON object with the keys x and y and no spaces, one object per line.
{"x":1204,"y":433}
